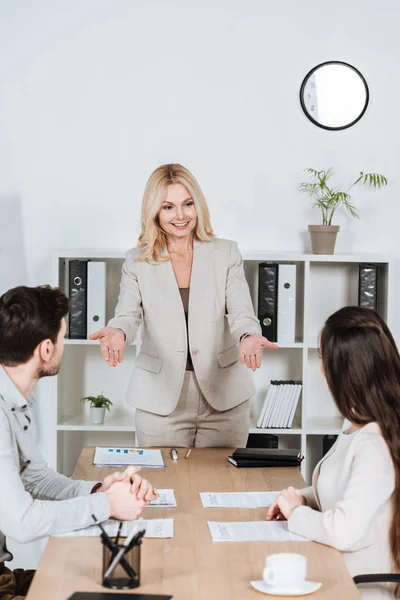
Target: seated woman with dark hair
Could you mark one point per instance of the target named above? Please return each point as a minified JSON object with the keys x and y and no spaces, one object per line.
{"x":354,"y":502}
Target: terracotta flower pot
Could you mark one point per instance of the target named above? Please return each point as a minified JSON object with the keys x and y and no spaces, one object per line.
{"x":323,"y":238}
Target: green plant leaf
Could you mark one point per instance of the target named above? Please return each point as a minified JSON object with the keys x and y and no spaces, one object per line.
{"x":98,"y":401}
{"x":328,"y":199}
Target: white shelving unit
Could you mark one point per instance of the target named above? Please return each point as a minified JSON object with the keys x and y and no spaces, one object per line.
{"x":324,"y":284}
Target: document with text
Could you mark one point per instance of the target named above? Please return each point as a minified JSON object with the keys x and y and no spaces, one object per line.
{"x":165,"y":498}
{"x":122,"y":457}
{"x":155,"y":528}
{"x":237,"y":499}
{"x":253,"y":531}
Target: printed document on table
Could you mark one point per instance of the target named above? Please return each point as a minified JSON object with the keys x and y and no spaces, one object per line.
{"x":121,"y":457}
{"x":237,"y":499}
{"x":165,"y":498}
{"x":155,"y":528}
{"x":253,"y":531}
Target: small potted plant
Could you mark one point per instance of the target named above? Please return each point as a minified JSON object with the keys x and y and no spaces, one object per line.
{"x":328,"y":199}
{"x":98,"y":406}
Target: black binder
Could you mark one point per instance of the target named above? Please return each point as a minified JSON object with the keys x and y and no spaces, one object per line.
{"x":275,"y":454}
{"x":368,"y":285}
{"x":265,"y":457}
{"x":268,"y":299}
{"x":262,"y":440}
{"x":78,"y":298}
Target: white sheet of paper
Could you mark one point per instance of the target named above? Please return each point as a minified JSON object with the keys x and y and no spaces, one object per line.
{"x":165,"y":498}
{"x":237,"y":499}
{"x":120,"y":457}
{"x":155,"y":528}
{"x":253,"y":531}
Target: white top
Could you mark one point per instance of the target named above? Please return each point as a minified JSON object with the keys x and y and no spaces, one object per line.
{"x":29,"y":487}
{"x":349,"y":505}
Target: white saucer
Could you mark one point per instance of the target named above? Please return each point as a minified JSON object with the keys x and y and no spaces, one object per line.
{"x":307,"y":587}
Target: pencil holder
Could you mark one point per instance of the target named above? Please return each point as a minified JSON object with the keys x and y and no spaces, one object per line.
{"x":126,"y":574}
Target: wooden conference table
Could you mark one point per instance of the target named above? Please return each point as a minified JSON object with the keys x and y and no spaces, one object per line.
{"x":190,"y":566}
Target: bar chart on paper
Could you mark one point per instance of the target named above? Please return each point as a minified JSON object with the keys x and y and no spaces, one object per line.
{"x":119,"y":457}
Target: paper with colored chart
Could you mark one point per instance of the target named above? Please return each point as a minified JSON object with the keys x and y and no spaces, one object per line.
{"x":123,"y":457}
{"x":253,"y":531}
{"x":237,"y":499}
{"x":155,"y":528}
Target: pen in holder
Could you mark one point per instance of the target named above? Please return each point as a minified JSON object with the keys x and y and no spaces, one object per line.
{"x":121,"y":562}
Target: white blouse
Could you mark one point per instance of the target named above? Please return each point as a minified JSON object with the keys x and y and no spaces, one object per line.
{"x":349,"y":505}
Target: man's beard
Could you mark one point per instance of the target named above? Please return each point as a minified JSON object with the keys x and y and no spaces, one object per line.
{"x":48,"y":371}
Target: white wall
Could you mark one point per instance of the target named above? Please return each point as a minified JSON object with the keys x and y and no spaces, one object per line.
{"x":94,"y":94}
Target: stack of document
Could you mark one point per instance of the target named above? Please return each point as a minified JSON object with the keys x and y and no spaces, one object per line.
{"x":280,"y":404}
{"x":237,"y":499}
{"x":121,"y":457}
{"x":253,"y":531}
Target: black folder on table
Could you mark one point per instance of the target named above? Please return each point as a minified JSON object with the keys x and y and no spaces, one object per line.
{"x":109,"y":596}
{"x":265,"y":457}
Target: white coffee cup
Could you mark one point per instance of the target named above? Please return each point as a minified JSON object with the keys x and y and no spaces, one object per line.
{"x":287,"y":570}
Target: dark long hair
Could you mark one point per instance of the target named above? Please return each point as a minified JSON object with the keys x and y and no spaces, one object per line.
{"x":362,"y":368}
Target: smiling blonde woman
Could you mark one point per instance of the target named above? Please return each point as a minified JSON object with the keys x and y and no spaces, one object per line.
{"x":187,"y":288}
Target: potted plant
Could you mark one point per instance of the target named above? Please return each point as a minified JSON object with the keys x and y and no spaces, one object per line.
{"x":328,"y":199}
{"x":98,"y":406}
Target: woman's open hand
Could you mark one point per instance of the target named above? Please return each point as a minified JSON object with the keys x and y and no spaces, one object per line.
{"x":251,"y":349}
{"x":112,"y":344}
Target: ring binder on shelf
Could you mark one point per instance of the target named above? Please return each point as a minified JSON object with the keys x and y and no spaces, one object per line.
{"x":286,"y":328}
{"x":78,"y":298}
{"x":96,"y":296}
{"x":267,"y":299}
{"x":368,"y":285}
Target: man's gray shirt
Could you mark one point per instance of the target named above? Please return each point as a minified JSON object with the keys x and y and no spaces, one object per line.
{"x":29,"y":487}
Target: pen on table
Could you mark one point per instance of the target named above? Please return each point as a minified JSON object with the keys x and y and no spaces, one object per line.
{"x":119,"y":533}
{"x":128,"y":542}
{"x":134,"y":541}
{"x":174,"y":454}
{"x":188,"y":453}
{"x":103,"y":531}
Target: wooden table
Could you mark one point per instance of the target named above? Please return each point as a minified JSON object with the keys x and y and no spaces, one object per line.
{"x":191,"y":566}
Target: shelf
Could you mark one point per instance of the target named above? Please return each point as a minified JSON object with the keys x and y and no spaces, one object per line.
{"x":349,"y":258}
{"x":83,"y":423}
{"x":253,"y":255}
{"x":327,"y":426}
{"x":322,"y":426}
{"x":250,"y":255}
{"x":289,"y":344}
{"x":282,"y":431}
{"x":84,"y":254}
{"x":324,"y":284}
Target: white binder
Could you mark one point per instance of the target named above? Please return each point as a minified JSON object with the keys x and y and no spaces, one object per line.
{"x":96,"y":296}
{"x":265,"y":405}
{"x":286,"y":303}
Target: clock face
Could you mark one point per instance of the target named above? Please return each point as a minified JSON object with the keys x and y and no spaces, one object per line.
{"x":334,"y":95}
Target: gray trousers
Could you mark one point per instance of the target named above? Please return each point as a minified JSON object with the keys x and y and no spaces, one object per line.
{"x":194,"y":423}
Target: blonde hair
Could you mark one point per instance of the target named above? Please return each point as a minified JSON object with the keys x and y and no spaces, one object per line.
{"x":152,"y":238}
